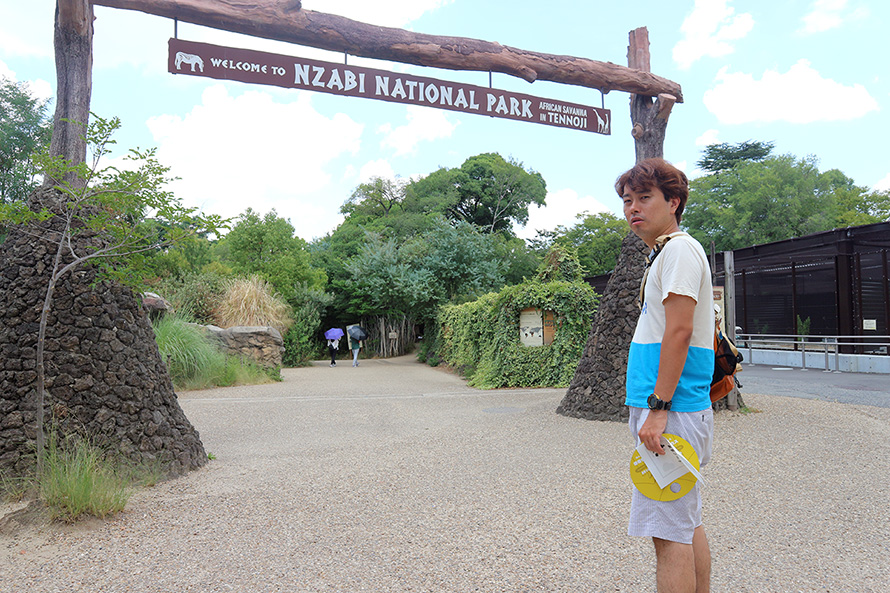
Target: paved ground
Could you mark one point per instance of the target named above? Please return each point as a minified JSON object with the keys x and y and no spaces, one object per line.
{"x":848,"y":388}
{"x":396,"y":477}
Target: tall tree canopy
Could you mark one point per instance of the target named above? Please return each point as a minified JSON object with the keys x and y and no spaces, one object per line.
{"x":25,"y":128}
{"x":485,"y":190}
{"x":778,"y":198}
{"x":267,"y":246}
{"x":596,"y":237}
{"x":446,"y":263}
{"x":721,"y":157}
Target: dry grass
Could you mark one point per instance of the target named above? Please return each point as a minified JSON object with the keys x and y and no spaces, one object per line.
{"x":252,"y":301}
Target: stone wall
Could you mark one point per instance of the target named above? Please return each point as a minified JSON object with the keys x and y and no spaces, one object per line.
{"x":262,"y":345}
{"x":104,"y":374}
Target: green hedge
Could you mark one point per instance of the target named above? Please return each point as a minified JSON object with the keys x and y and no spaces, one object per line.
{"x":481,"y":338}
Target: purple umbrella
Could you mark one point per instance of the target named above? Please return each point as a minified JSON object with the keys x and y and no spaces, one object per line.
{"x":335,"y":333}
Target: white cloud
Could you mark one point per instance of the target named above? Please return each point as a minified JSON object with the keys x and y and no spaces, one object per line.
{"x":798,"y":96}
{"x":883,"y":184}
{"x":424,"y":124}
{"x":563,"y":208}
{"x":378,"y":168}
{"x":232,"y":152}
{"x":825,"y":15}
{"x":6,"y":72}
{"x":708,"y":138}
{"x":709,"y":30}
{"x":38,"y":88}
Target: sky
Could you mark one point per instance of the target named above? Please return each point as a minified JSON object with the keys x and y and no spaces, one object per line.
{"x":809,"y":76}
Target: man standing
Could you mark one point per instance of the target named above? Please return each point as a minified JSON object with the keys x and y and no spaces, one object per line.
{"x":670,"y":365}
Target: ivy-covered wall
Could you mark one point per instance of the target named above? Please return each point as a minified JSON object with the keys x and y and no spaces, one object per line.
{"x":481,"y":338}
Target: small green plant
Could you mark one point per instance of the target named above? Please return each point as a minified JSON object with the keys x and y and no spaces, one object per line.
{"x":78,"y":480}
{"x":13,"y":489}
{"x":211,"y":456}
{"x":803,"y":327}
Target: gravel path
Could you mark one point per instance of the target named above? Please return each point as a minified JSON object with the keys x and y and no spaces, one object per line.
{"x":396,"y":477}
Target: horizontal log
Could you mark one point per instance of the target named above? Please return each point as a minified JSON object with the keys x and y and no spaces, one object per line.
{"x":285,"y":20}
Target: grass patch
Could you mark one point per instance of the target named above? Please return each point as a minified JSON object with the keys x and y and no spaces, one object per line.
{"x":77,"y":480}
{"x":14,"y":489}
{"x":81,"y":479}
{"x":195,"y":362}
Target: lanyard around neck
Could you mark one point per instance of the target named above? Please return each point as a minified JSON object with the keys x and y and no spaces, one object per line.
{"x":660,"y":242}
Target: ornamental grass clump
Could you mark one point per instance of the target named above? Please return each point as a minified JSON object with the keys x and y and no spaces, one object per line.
{"x":77,"y":480}
{"x":195,"y":362}
{"x":252,"y":301}
{"x":185,"y":349}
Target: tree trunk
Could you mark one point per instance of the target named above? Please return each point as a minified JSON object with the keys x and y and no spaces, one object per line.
{"x":597,"y":390}
{"x":73,"y":41}
{"x":284,"y":20}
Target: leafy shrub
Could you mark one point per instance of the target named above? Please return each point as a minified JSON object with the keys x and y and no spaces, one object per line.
{"x":252,"y":301}
{"x":481,"y":338}
{"x":195,"y":295}
{"x":301,"y":342}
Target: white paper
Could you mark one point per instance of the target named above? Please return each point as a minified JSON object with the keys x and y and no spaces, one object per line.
{"x":667,"y":468}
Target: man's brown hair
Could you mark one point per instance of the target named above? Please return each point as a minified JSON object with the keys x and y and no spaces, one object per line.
{"x":658,"y":173}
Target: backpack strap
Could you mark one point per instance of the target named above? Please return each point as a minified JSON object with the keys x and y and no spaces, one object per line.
{"x":660,"y":242}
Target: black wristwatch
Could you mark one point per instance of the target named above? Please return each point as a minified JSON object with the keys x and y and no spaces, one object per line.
{"x":658,"y":404}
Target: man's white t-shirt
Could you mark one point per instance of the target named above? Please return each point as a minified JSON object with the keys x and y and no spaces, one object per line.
{"x":681,"y":268}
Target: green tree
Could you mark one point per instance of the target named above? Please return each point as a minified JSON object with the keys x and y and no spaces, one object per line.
{"x":25,"y":128}
{"x":725,"y":156}
{"x":779,"y":198}
{"x":449,"y":262}
{"x":98,"y":216}
{"x":267,"y":246}
{"x":596,"y":237}
{"x":485,"y":190}
{"x":375,"y":199}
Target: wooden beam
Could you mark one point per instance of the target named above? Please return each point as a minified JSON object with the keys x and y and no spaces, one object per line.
{"x":73,"y":40}
{"x":285,"y":20}
{"x":648,"y":114}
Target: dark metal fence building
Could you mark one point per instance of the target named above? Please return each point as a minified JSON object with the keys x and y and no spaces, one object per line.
{"x":836,"y":282}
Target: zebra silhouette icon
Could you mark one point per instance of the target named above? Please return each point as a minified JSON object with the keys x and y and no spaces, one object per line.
{"x":184,"y":58}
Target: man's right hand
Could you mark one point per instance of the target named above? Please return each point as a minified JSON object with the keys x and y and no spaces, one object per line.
{"x":652,"y":429}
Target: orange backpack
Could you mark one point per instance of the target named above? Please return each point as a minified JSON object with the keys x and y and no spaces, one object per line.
{"x":727,"y":362}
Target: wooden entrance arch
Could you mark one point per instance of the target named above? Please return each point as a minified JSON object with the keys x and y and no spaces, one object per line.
{"x":285,"y":20}
{"x":598,"y":379}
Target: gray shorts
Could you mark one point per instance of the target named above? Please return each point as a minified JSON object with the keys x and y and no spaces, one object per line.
{"x":674,"y":520}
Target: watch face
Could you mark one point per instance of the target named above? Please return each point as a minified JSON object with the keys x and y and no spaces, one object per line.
{"x":654,"y":403}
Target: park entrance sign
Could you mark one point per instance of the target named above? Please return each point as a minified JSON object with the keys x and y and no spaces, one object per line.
{"x":227,"y":63}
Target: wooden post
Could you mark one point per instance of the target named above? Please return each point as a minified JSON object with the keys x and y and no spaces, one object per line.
{"x":732,"y":399}
{"x":649,"y":115}
{"x":73,"y":40}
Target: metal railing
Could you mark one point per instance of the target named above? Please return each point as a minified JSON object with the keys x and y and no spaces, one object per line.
{"x":879,"y":345}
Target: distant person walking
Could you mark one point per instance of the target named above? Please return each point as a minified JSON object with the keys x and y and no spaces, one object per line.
{"x":333,"y":336}
{"x":333,"y":346}
{"x":356,"y":346}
